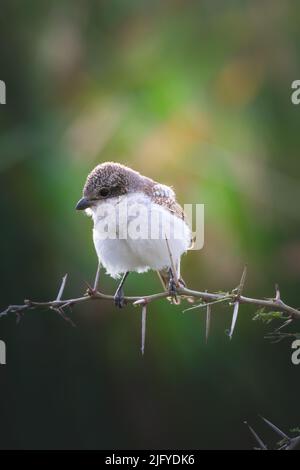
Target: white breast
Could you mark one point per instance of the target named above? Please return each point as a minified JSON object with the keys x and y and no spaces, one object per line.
{"x":131,"y":235}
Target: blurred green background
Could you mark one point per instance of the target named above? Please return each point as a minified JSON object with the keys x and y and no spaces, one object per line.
{"x":195,"y":94}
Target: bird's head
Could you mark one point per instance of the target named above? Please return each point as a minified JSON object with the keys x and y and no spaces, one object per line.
{"x":108,"y":180}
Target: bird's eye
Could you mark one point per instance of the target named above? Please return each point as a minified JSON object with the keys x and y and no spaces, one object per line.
{"x":104,"y":192}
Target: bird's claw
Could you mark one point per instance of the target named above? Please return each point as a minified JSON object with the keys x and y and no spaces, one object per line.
{"x":119,"y":300}
{"x":172,"y":288}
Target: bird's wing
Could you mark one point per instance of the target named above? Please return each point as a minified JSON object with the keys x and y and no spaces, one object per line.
{"x":164,"y":195}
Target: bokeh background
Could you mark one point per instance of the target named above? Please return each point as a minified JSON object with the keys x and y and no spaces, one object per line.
{"x":195,"y":94}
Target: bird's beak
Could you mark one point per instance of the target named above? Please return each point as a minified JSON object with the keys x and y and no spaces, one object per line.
{"x":83,"y":203}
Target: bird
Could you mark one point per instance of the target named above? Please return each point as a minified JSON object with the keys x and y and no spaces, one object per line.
{"x":137,"y":225}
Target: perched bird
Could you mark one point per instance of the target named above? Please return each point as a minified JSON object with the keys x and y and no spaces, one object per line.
{"x":138,"y":225}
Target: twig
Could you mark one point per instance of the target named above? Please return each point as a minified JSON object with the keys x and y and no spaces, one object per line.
{"x":277,"y":336}
{"x":183,"y":292}
{"x":205,"y":304}
{"x":286,"y":442}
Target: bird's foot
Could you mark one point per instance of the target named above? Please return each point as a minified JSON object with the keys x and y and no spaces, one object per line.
{"x":173,"y":292}
{"x":172,"y":288}
{"x":90,"y":291}
{"x":119,"y":300}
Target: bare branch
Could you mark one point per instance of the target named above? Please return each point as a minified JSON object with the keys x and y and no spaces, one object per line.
{"x":182,"y":291}
{"x":286,"y":442}
{"x":206,"y":298}
{"x":277,"y":336}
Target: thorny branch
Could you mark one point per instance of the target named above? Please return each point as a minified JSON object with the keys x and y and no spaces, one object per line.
{"x":206,"y":300}
{"x":286,"y":442}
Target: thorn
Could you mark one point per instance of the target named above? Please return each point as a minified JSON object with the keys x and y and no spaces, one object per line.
{"x":208,"y":318}
{"x":257,"y":438}
{"x":90,"y":290}
{"x":62,"y":287}
{"x":276,"y":337}
{"x":205,"y":304}
{"x":194,"y":306}
{"x":64,"y":316}
{"x":275,"y":428}
{"x":242,"y":282}
{"x":139,"y":302}
{"x":236,"y":304}
{"x":144,"y":315}
{"x":69,"y":305}
{"x":286,"y":323}
{"x":234,"y":318}
{"x":277,"y":292}
{"x":19,"y":316}
{"x":96,"y":282}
